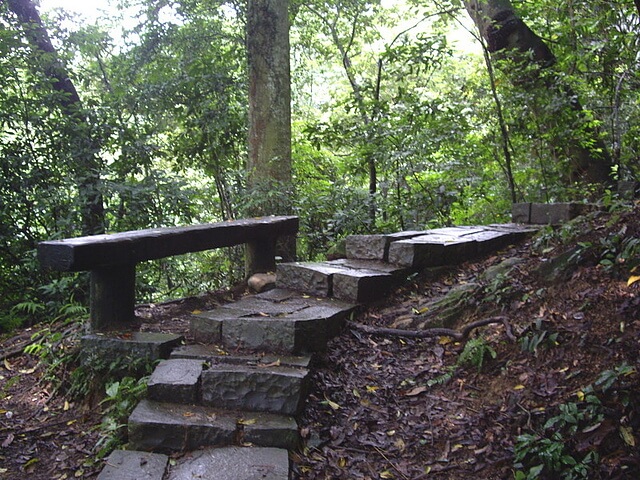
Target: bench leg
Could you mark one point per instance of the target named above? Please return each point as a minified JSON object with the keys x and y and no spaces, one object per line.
{"x":112,"y":294}
{"x":260,"y":257}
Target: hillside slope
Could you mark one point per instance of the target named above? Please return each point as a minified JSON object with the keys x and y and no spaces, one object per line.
{"x":549,"y":390}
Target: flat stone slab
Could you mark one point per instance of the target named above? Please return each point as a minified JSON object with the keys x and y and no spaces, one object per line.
{"x":260,"y":389}
{"x":133,"y":465}
{"x":306,"y":331}
{"x":167,"y":427}
{"x":164,"y":427}
{"x":215,"y":354}
{"x":277,"y":321}
{"x":233,"y":463}
{"x":112,"y":346}
{"x":176,"y":380}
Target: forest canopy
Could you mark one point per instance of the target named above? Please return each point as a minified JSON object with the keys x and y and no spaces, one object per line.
{"x":405,"y":115}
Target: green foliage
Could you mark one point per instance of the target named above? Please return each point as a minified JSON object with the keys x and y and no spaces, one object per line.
{"x":549,"y":452}
{"x":474,"y":354}
{"x":121,"y":398}
{"x":537,"y":338}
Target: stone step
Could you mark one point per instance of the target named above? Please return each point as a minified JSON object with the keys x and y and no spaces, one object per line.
{"x":453,"y":245}
{"x":351,"y":280}
{"x":225,"y":463}
{"x":214,"y":354}
{"x":232,"y":463}
{"x":276,"y":321}
{"x":262,"y":388}
{"x":133,"y":465}
{"x":171,"y":427}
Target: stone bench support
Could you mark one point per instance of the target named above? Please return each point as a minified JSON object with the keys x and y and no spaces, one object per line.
{"x":112,"y":258}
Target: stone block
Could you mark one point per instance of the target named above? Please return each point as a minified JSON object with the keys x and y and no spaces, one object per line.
{"x":312,"y":278}
{"x":431,"y":250}
{"x":367,"y":247}
{"x":206,"y":327}
{"x":164,"y":427}
{"x":269,"y":430}
{"x":176,"y":380}
{"x":306,"y":331}
{"x":110,"y":347}
{"x":233,"y":463}
{"x":491,"y":240}
{"x":361,"y":286}
{"x":132,"y":465}
{"x":521,"y":213}
{"x":557,"y":213}
{"x":277,"y":390}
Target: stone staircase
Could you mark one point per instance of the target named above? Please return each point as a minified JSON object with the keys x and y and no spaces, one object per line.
{"x":233,"y":415}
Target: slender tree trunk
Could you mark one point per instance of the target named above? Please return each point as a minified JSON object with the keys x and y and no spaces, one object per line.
{"x":86,"y":166}
{"x":507,"y":36}
{"x":269,"y":143}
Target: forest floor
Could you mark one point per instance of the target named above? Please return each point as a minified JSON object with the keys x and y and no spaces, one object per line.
{"x":556,"y":385}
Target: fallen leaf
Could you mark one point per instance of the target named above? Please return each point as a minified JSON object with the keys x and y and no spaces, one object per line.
{"x":627,"y":435}
{"x":268,"y":365}
{"x":248,"y":421}
{"x":386,"y":474}
{"x":28,"y":371}
{"x":416,"y":391}
{"x":8,"y":441}
{"x":372,"y":388}
{"x":633,"y":279}
{"x":519,"y":387}
{"x":66,"y":406}
{"x":196,"y":312}
{"x":7,"y":365}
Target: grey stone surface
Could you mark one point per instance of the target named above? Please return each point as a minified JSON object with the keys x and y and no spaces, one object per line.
{"x":557,"y":213}
{"x":233,"y":463}
{"x":371,"y":265}
{"x":206,"y":327}
{"x":361,"y":286}
{"x":176,"y":380}
{"x":367,"y":247}
{"x":164,"y":427}
{"x":269,"y":430}
{"x":311,"y":278}
{"x":548,"y":213}
{"x":214,"y":354}
{"x":306,"y":331}
{"x":262,"y":389}
{"x":521,"y":213}
{"x":490,"y":240}
{"x":112,"y":346}
{"x":133,"y":465}
{"x":431,"y":250}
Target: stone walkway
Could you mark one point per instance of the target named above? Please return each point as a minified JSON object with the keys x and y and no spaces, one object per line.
{"x":233,"y":416}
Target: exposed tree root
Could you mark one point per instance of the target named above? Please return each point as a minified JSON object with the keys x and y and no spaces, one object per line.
{"x":435,"y":332}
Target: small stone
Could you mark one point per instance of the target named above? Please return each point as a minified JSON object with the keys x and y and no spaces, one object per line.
{"x":261,"y":282}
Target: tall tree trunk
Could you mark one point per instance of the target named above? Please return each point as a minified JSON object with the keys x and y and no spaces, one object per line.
{"x":507,"y":36}
{"x":86,"y":166}
{"x":269,"y":142}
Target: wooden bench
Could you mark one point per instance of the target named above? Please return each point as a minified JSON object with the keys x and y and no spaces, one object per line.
{"x":112,"y":258}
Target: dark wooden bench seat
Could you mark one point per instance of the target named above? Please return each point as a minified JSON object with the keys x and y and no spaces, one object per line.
{"x":112,"y":258}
